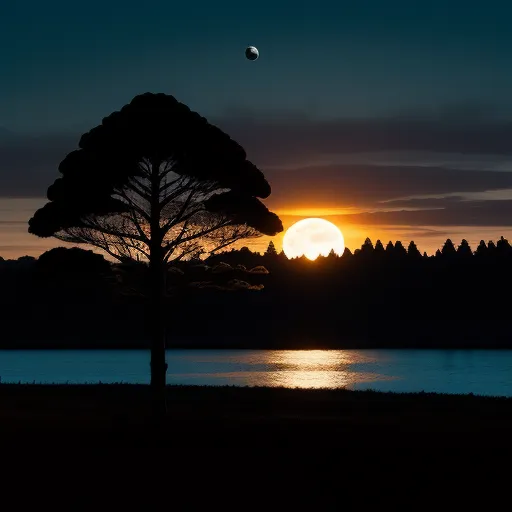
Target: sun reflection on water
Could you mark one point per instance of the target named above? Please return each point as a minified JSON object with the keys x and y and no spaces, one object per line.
{"x":286,"y":368}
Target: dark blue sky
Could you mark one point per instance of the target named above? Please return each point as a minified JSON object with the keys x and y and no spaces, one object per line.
{"x":358,"y":109}
{"x":67,"y":64}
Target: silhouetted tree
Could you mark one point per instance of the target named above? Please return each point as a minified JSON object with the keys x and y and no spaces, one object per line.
{"x":481,"y":250}
{"x":367,"y":247}
{"x":390,"y":248}
{"x":491,"y":249}
{"x":438,"y":254}
{"x":425,"y":255}
{"x":271,"y":250}
{"x":412,"y":251}
{"x":156,"y":180}
{"x":347,"y":253}
{"x":379,"y":248}
{"x":72,"y":259}
{"x":26,"y":261}
{"x":448,"y":249}
{"x":399,"y":250}
{"x":464,"y":250}
{"x":503,"y":247}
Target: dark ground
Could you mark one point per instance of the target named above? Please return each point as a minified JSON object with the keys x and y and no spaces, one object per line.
{"x":252,"y":448}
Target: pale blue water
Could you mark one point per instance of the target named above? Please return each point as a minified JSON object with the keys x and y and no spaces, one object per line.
{"x":485,"y":372}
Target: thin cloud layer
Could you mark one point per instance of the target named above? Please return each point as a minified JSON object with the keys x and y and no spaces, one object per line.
{"x":28,"y":164}
{"x":369,"y":186}
{"x":468,"y":213}
{"x":276,"y":142}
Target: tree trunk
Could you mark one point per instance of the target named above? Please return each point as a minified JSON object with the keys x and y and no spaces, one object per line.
{"x":157,"y":330}
{"x":157,"y":292}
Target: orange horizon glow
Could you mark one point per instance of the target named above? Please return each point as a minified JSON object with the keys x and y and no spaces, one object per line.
{"x":15,"y":241}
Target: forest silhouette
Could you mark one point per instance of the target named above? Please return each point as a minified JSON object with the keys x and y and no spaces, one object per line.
{"x":378,"y":296}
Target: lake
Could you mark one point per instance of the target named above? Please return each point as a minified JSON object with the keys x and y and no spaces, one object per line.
{"x":484,"y":372}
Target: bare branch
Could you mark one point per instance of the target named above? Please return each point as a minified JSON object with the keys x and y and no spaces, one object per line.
{"x":168,"y":184}
{"x":137,"y":186}
{"x":133,"y":217}
{"x":132,"y":203}
{"x":93,"y":225}
{"x":168,"y":167}
{"x":175,"y":194}
{"x":169,"y":248}
{"x":144,"y":167}
{"x":178,"y":218}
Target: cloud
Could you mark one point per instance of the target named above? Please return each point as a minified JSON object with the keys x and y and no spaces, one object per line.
{"x":461,"y":161}
{"x":29,"y":164}
{"x":424,"y":203}
{"x":463,"y":213}
{"x":276,"y":141}
{"x":427,"y":233}
{"x":366,"y":186}
{"x":417,"y":232}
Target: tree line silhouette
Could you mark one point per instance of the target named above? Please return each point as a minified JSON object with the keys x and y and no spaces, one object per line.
{"x":377,"y":296}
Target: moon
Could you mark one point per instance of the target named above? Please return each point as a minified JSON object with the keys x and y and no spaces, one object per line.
{"x":311,"y":238}
{"x":252,"y":53}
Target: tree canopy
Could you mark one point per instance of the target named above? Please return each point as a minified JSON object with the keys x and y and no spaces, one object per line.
{"x":156,"y":172}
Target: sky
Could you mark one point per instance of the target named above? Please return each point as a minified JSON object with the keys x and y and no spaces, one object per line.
{"x":391,"y":119}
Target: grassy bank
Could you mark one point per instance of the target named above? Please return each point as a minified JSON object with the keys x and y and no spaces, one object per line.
{"x":102,"y":407}
{"x":333,"y":448}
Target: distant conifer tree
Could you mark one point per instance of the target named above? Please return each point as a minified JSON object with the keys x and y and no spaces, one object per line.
{"x":503,"y":247}
{"x":399,"y":249}
{"x":482,"y":249}
{"x":413,"y":251}
{"x":379,"y":248}
{"x":271,"y":249}
{"x":464,"y":249}
{"x":367,"y":247}
{"x":448,"y":248}
{"x":347,"y":253}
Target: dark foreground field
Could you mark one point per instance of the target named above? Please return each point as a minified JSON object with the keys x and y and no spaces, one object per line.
{"x":253,"y":448}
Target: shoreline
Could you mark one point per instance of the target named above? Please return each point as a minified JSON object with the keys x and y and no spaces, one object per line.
{"x":39,"y":410}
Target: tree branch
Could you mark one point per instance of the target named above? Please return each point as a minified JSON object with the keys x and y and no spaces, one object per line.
{"x":106,"y":231}
{"x":144,"y":191}
{"x":171,"y":247}
{"x":178,"y":218}
{"x":169,"y":184}
{"x":133,"y":217}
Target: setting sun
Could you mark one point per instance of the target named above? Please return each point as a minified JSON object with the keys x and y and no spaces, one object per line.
{"x":311,"y":238}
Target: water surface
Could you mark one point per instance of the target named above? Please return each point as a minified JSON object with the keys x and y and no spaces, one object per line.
{"x":485,"y":372}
